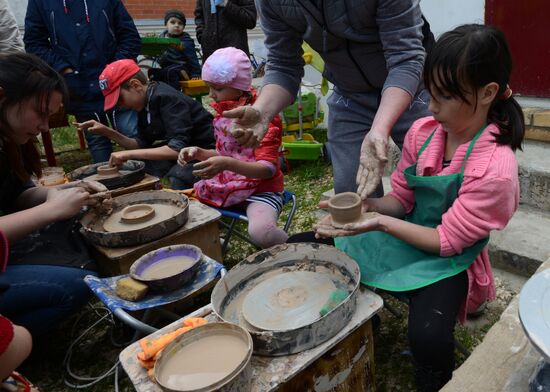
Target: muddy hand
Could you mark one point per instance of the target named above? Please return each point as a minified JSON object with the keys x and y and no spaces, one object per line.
{"x":374,"y":156}
{"x":99,"y":198}
{"x":369,"y":221}
{"x":66,"y":203}
{"x":92,"y":126}
{"x":325,"y":229}
{"x":210,"y":167}
{"x":93,"y":186}
{"x":186,"y":154}
{"x":248,"y":127}
{"x":118,"y":158}
{"x":90,"y":186}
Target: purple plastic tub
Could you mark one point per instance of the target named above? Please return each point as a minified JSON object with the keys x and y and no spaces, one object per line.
{"x":177,"y":277}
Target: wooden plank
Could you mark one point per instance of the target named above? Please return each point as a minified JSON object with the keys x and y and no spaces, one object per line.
{"x":148,"y":182}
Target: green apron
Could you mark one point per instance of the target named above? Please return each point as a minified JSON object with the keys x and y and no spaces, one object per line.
{"x":390,"y":263}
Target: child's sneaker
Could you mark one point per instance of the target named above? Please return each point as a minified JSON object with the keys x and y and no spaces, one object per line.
{"x":17,"y":383}
{"x":479,"y":311}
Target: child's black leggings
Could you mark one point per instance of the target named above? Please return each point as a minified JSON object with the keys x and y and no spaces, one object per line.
{"x":433,"y":312}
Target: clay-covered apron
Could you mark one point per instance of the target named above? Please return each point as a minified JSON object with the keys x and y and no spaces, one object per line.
{"x":390,"y":263}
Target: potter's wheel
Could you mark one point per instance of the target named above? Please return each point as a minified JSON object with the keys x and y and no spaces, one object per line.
{"x":534,"y":311}
{"x":242,"y":296}
{"x":104,"y":225}
{"x":128,"y":174}
{"x":287,"y":301}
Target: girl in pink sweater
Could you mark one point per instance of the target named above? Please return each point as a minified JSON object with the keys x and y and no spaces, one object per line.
{"x":456,"y":181}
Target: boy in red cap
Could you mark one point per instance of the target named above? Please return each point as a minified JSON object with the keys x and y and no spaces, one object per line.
{"x":165,"y":116}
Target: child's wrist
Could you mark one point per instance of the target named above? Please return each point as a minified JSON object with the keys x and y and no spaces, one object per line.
{"x":228,"y":164}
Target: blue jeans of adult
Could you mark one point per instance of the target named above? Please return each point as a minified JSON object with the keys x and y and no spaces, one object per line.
{"x":123,"y":120}
{"x":40,"y":297}
{"x":350,"y":119}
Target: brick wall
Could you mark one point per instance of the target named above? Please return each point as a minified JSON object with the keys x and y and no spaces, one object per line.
{"x":147,"y":9}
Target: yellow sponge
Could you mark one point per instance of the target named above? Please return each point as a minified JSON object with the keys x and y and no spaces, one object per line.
{"x":130,"y":289}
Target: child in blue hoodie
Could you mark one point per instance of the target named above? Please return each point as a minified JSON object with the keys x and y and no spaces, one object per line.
{"x":177,"y":63}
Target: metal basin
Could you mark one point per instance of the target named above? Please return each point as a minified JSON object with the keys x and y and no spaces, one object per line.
{"x":93,"y":221}
{"x":130,"y":173}
{"x":174,"y":278}
{"x":230,"y":292}
{"x":228,"y":370}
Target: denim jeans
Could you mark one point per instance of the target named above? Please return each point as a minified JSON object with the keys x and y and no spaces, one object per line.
{"x":123,"y":120}
{"x":42,"y":296}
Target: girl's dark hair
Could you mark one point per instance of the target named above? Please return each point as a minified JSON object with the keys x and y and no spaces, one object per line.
{"x":23,"y":77}
{"x":468,"y":58}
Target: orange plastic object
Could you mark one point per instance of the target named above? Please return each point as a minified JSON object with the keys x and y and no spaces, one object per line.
{"x":194,"y":87}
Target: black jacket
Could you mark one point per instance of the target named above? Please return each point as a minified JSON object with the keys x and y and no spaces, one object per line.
{"x":227,"y":27}
{"x":174,"y":118}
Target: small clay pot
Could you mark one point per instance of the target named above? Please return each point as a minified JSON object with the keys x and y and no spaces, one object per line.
{"x":107,"y":170}
{"x":344,"y":208}
{"x":137,"y":213}
{"x":52,"y":176}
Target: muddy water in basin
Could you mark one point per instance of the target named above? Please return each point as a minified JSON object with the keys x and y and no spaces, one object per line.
{"x":167,"y":267}
{"x":203,"y":362}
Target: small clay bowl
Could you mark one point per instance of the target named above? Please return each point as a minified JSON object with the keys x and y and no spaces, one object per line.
{"x":107,"y":170}
{"x":176,"y":280}
{"x":344,"y":208}
{"x":137,"y":213}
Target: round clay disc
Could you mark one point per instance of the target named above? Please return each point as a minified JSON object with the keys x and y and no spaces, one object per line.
{"x":115,"y":224}
{"x":534,"y":311}
{"x":287,"y":301}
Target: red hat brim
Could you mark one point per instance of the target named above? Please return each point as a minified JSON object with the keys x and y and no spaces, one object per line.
{"x":111,"y":99}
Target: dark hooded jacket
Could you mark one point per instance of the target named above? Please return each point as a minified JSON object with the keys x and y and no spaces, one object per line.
{"x":84,"y":35}
{"x":227,"y":27}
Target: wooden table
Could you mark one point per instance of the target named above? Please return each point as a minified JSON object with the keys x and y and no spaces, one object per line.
{"x":201,"y":229}
{"x":343,"y":363}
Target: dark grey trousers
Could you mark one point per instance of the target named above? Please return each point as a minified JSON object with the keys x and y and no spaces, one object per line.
{"x":350,"y":118}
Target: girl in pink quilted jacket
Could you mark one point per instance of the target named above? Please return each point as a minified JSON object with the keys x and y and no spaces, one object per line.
{"x":457,"y":181}
{"x":234,"y":176}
